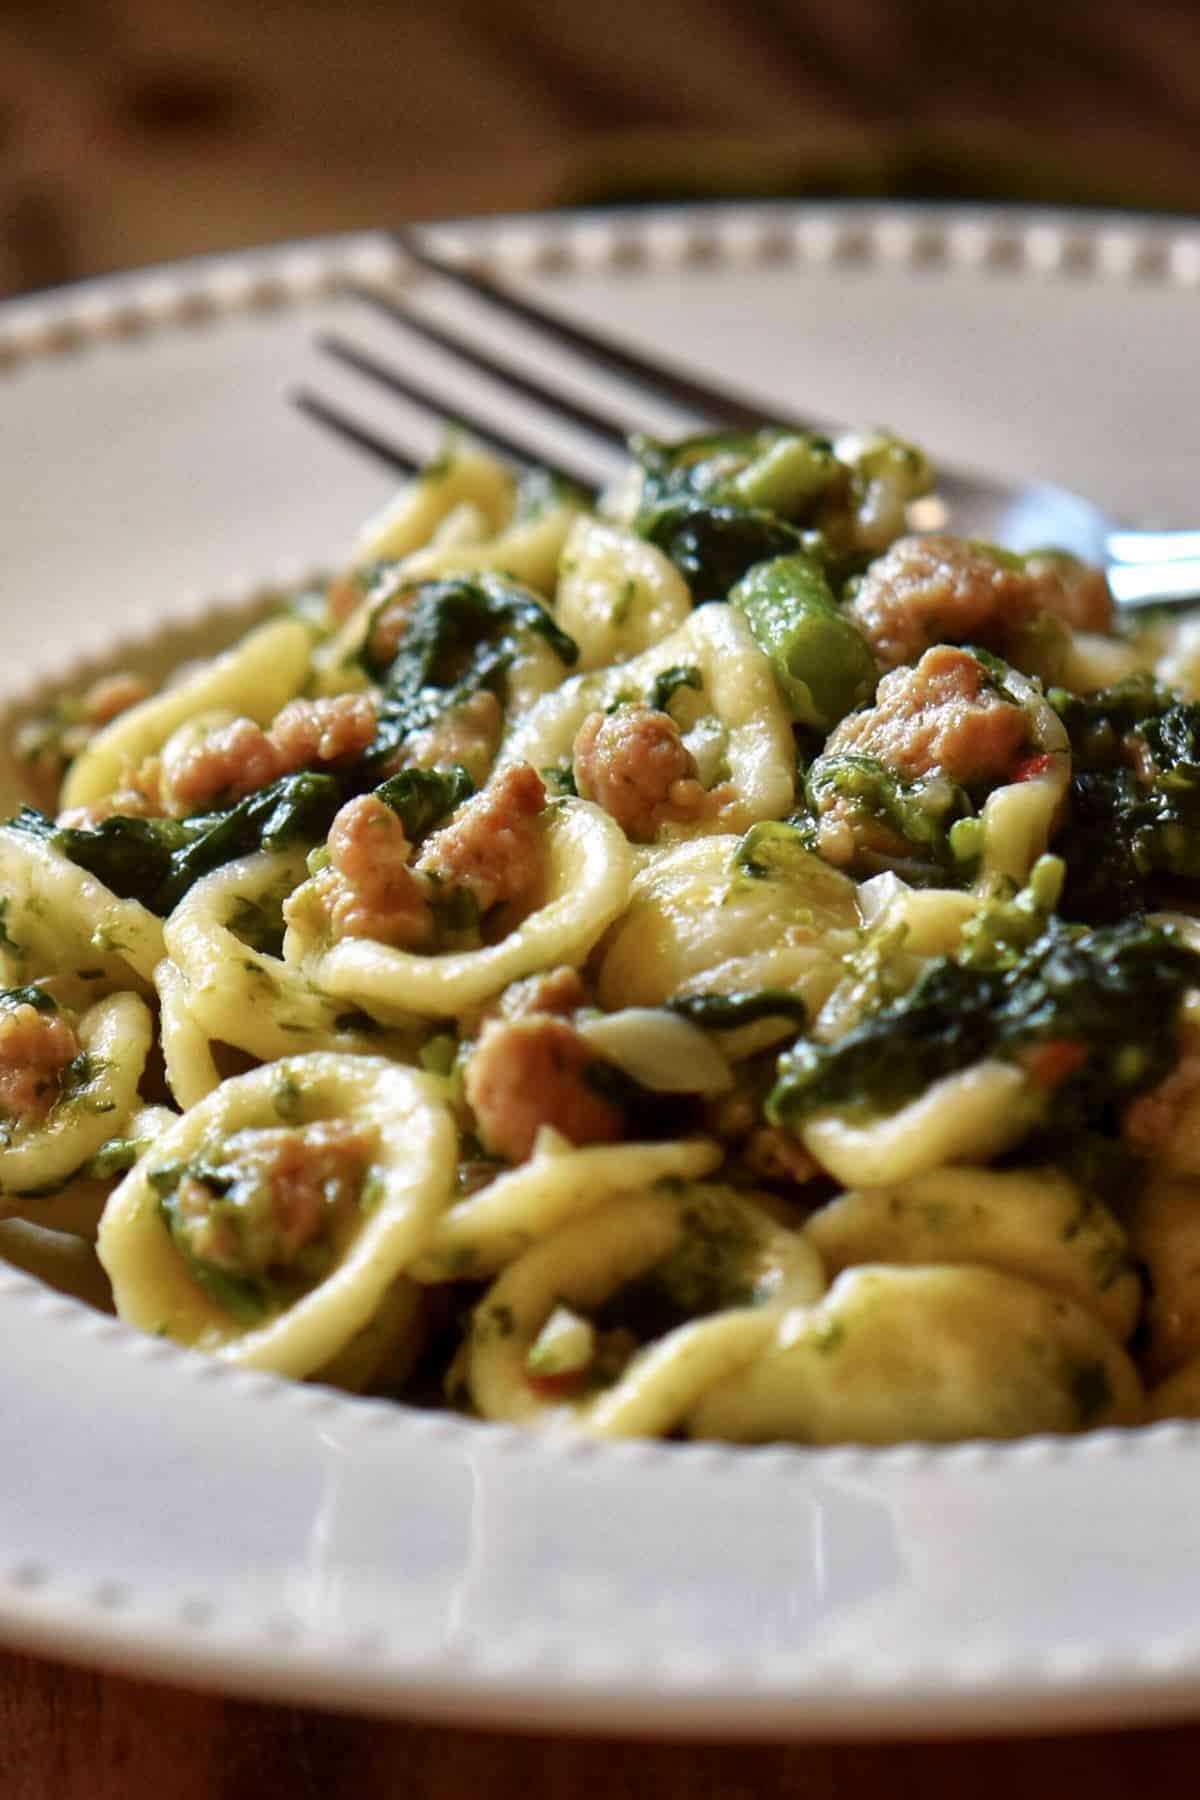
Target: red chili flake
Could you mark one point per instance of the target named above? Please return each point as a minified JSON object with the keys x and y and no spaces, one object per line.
{"x":1029,"y":766}
{"x":1052,"y":1063}
{"x":555,"y":1387}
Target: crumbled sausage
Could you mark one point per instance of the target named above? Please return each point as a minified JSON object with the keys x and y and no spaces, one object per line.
{"x":342,"y":597}
{"x":930,"y":590}
{"x":288,"y":1183}
{"x":367,"y":889}
{"x":558,"y":991}
{"x":775,"y":1155}
{"x":469,"y":735}
{"x":937,"y":718}
{"x":633,"y":762}
{"x":526,"y":1073}
{"x":113,"y":694}
{"x":35,"y":1048}
{"x":334,"y":730}
{"x":940,"y":716}
{"x":388,"y":627}
{"x":1151,"y":1119}
{"x":493,"y":846}
{"x":1075,"y":592}
{"x":240,"y":758}
{"x":137,"y":797}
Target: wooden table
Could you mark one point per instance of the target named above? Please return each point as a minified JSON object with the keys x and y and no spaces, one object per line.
{"x":69,"y":1734}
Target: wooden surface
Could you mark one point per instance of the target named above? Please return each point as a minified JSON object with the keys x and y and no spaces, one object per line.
{"x":70,"y":1735}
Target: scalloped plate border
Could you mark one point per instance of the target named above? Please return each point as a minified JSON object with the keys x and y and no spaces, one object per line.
{"x":862,"y":1691}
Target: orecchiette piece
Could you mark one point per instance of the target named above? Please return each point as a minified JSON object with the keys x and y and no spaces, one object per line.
{"x":481,"y":1234}
{"x":255,"y":678}
{"x":95,"y":1101}
{"x":699,"y":920}
{"x":404,"y":1191}
{"x":934,"y":1353}
{"x":968,"y":1117}
{"x":737,"y":690}
{"x":588,"y":1262}
{"x":60,"y":917}
{"x":242,"y":995}
{"x":585,"y":888}
{"x":1034,"y":1223}
{"x":617,"y":595}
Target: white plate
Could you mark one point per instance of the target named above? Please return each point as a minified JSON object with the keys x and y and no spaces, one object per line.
{"x":160,"y":1513}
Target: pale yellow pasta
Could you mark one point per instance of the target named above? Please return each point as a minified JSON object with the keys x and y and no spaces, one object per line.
{"x":1165,"y":1230}
{"x":242,"y":996}
{"x":187,"y":1051}
{"x":462,"y":476}
{"x":584,"y":1263}
{"x":930,"y":1353}
{"x":1094,"y":661}
{"x":412,"y":1174}
{"x":698,"y":922}
{"x":381,"y":1355}
{"x":1034,"y":1223}
{"x":738,"y":691}
{"x":58,"y":1258}
{"x":586,"y":886}
{"x":527,"y":551}
{"x":60,"y":917}
{"x":115,"y":1035}
{"x":560,"y":1181}
{"x":617,"y":595}
{"x":259,"y":675}
{"x":967,"y":1117}
{"x":74,"y":1208}
{"x":1018,"y":819}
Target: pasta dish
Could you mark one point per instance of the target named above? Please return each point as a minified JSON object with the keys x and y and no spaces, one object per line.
{"x":703,"y":962}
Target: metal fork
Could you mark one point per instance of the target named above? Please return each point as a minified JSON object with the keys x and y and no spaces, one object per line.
{"x":1145,"y":568}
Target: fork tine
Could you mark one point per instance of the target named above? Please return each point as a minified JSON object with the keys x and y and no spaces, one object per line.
{"x":591,"y":418}
{"x":714,"y":404}
{"x":353,"y":432}
{"x":385,"y":375}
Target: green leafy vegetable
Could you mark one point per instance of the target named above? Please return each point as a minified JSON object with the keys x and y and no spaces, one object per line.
{"x":1133,"y":822}
{"x":917,"y":816}
{"x":1105,"y":1003}
{"x":36,"y":997}
{"x":667,"y":683}
{"x":157,"y":860}
{"x":783,"y":472}
{"x":713,"y":546}
{"x":725,"y":1012}
{"x":460,"y":637}
{"x":422,"y":798}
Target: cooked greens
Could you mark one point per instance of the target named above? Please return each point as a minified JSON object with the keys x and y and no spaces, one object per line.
{"x":1092,"y":1014}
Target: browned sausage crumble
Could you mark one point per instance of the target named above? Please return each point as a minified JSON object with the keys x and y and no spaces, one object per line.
{"x":937,"y":718}
{"x":932,"y":590}
{"x":35,"y":1048}
{"x":290,"y":1182}
{"x":633,"y":762}
{"x":530,"y":1072}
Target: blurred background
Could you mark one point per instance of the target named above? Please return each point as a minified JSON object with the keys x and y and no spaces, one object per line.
{"x":136,"y":130}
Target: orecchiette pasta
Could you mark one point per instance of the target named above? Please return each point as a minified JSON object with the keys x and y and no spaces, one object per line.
{"x":253,"y":1304}
{"x":710,"y":963}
